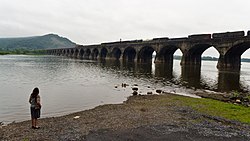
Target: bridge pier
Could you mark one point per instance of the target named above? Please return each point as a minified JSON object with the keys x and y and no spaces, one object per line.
{"x":164,"y":70}
{"x":75,"y":54}
{"x":228,"y":81}
{"x":191,"y":59}
{"x":192,"y":75}
{"x":166,"y":60}
{"x":232,"y":63}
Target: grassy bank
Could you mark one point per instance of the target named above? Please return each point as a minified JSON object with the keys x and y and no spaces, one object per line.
{"x":214,"y":108}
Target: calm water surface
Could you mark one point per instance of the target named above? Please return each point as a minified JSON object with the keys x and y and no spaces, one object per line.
{"x":70,"y":85}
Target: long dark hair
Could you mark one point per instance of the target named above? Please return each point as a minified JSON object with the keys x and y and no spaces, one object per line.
{"x":35,"y":92}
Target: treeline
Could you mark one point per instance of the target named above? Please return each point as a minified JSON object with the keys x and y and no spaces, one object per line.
{"x":209,"y":58}
{"x":21,"y":51}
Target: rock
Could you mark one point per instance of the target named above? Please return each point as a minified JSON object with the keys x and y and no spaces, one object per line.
{"x":238,"y":101}
{"x":143,"y":109}
{"x":124,"y":85}
{"x":76,"y":117}
{"x":135,"y":84}
{"x":158,"y":91}
{"x":135,"y":88}
{"x":116,"y":86}
{"x":173,"y":91}
{"x":246,"y":100}
{"x":149,"y":92}
{"x":135,"y":93}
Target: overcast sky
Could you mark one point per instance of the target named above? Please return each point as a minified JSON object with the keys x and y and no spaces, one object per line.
{"x":96,"y":21}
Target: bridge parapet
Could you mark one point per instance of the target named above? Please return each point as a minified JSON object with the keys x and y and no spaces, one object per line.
{"x":200,"y":37}
{"x":235,"y":34}
{"x":123,"y":42}
{"x":79,"y":46}
{"x":161,"y":39}
{"x":179,"y":39}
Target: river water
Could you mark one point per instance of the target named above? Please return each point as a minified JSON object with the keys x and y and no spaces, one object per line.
{"x":70,"y":85}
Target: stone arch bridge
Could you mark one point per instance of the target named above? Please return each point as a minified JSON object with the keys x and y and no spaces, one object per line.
{"x":230,"y":46}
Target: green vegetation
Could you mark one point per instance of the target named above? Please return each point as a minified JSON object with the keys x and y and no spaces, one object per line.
{"x":4,"y":52}
{"x":209,"y":58}
{"x":205,"y":106}
{"x":21,"y":51}
{"x":216,"y":108}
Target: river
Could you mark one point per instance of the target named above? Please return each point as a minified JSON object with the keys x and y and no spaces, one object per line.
{"x":70,"y":85}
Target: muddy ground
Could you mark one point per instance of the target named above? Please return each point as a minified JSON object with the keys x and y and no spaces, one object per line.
{"x":139,"y":118}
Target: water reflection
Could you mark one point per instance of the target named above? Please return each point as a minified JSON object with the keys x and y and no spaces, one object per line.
{"x":190,"y":77}
{"x":229,"y":81}
{"x":144,"y":69}
{"x":164,"y":70}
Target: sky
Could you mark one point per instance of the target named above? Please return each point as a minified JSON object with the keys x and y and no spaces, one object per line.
{"x":96,"y":21}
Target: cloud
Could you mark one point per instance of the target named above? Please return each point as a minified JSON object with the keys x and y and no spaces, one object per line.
{"x":96,"y":21}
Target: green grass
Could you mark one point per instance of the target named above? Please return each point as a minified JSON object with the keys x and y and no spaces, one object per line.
{"x":202,"y":105}
{"x":216,"y":108}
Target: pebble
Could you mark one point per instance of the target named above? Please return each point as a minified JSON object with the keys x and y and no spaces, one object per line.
{"x":76,"y":117}
{"x":135,"y":93}
{"x":135,"y":88}
{"x":149,"y":92}
{"x":158,"y":91}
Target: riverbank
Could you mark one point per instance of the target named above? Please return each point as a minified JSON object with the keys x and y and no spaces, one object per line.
{"x":21,"y":52}
{"x":151,"y":117}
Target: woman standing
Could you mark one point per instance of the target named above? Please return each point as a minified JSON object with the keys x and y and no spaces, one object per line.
{"x":35,"y":107}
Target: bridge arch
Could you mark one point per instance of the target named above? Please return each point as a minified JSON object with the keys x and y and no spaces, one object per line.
{"x":68,"y":52}
{"x":232,"y":58}
{"x":192,"y":56}
{"x":116,"y":53}
{"x":71,"y":52}
{"x":104,"y":53}
{"x":63,"y":52}
{"x":76,"y":52}
{"x":166,"y":54}
{"x":87,"y":53}
{"x":59,"y":52}
{"x":95,"y":53}
{"x":81,"y":53}
{"x":129,"y":54}
{"x":145,"y":54}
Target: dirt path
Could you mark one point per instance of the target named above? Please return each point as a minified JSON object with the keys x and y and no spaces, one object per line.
{"x":139,"y":118}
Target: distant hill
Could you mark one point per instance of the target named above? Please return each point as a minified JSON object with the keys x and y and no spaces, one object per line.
{"x":35,"y":42}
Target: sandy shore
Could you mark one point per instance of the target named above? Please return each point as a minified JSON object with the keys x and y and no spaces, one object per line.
{"x":139,"y":118}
